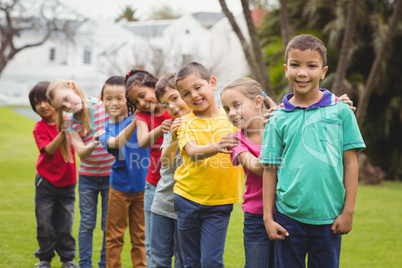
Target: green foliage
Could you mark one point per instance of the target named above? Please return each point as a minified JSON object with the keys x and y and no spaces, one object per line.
{"x":373,"y":242}
{"x":326,"y":19}
{"x":128,"y":13}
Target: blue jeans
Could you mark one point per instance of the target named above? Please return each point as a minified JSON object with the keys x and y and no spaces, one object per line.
{"x":322,"y":246}
{"x":164,"y":242}
{"x":89,"y":188}
{"x":54,"y":211}
{"x":202,"y":232}
{"x":148,"y":199}
{"x":258,"y":248}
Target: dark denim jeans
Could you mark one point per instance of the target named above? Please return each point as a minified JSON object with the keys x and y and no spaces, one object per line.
{"x":54,"y":210}
{"x":202,"y":232}
{"x":89,"y":189}
{"x":322,"y":246}
{"x":165,"y":242}
{"x":258,"y":248}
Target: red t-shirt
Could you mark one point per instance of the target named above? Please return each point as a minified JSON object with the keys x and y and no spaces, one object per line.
{"x":155,"y":164}
{"x":53,"y":167}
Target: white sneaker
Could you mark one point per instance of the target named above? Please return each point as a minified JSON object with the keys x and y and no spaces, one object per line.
{"x":43,"y":264}
{"x":69,"y":264}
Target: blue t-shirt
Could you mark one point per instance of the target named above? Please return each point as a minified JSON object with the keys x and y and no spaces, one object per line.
{"x":131,"y":166}
{"x":308,"y":144}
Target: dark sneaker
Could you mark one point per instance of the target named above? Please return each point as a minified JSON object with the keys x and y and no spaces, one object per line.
{"x":69,"y":264}
{"x":43,"y":264}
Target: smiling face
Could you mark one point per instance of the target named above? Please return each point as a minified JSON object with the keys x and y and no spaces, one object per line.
{"x":304,"y":71}
{"x":198,"y":94}
{"x":114,"y":100}
{"x":241,"y":111}
{"x":173,"y":103}
{"x":44,"y":109}
{"x":143,"y":97}
{"x":67,"y":100}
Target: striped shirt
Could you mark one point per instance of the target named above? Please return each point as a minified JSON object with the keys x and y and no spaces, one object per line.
{"x":100,"y":162}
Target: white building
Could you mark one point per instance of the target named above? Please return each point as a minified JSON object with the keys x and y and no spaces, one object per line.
{"x":102,"y":48}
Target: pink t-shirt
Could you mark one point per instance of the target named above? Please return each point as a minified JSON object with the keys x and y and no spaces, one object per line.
{"x":252,"y":198}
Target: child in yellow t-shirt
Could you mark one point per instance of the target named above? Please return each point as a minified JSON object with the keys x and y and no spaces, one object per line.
{"x":207,"y":182}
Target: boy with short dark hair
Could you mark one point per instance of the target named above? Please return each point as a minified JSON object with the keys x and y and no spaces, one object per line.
{"x":54,"y":186}
{"x":309,"y":156}
{"x":207,"y":183}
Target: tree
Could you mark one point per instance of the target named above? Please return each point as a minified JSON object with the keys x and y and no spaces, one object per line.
{"x":18,"y":17}
{"x":164,"y":13}
{"x":253,"y":55}
{"x":381,"y":56}
{"x":128,"y":13}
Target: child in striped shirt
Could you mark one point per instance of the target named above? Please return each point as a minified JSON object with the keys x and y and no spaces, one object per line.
{"x":88,"y":118}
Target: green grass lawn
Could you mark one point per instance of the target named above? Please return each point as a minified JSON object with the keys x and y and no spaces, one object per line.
{"x":375,"y":241}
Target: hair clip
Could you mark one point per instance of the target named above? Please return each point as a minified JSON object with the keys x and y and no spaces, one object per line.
{"x":263,"y":93}
{"x":129,"y":73}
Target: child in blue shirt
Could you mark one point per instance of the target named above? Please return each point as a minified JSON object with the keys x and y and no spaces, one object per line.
{"x":127,"y":179}
{"x":309,"y":155}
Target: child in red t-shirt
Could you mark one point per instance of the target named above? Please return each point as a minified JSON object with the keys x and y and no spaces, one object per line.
{"x":152,"y":121}
{"x":54,"y":185}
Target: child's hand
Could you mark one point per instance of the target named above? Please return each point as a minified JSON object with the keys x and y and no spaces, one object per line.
{"x":95,"y":140}
{"x":66,"y":125}
{"x":226,"y":141}
{"x":165,"y":126}
{"x":342,"y":224}
{"x":345,"y":98}
{"x":269,"y":114}
{"x":276,"y":231}
{"x":175,"y":126}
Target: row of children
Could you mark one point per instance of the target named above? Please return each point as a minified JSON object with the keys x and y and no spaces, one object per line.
{"x":182,"y":204}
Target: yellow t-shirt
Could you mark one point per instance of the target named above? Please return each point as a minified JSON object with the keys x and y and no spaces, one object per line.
{"x":214,"y":180}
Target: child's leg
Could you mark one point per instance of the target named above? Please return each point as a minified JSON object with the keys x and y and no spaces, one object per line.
{"x":257,"y":245}
{"x":189,"y":228}
{"x":64,"y":218}
{"x":324,"y":247}
{"x":104,"y":191}
{"x":178,"y":252}
{"x":214,"y":226}
{"x":148,"y":199}
{"x":292,"y":251}
{"x":136,"y":223}
{"x":162,"y":242}
{"x":45,"y":204}
{"x":116,"y":225}
{"x":88,"y":190}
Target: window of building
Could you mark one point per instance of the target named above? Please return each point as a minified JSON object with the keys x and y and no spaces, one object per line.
{"x":52,"y":54}
{"x":87,"y":55}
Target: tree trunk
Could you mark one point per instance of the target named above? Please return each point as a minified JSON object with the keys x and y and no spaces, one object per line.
{"x":372,"y":80}
{"x":284,"y":21}
{"x":256,"y":63}
{"x":343,"y":60}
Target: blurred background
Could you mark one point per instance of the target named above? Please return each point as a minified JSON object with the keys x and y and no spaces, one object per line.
{"x":88,"y":41}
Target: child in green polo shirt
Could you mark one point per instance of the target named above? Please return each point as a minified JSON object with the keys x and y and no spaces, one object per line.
{"x":309,"y":155}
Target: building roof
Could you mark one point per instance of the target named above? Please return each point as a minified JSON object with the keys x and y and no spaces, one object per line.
{"x":152,"y":28}
{"x":208,"y":19}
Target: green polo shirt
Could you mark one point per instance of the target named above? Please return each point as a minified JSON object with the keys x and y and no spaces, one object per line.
{"x":308,"y":145}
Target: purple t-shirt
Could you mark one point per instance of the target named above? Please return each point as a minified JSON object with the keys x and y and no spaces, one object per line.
{"x":252,"y":198}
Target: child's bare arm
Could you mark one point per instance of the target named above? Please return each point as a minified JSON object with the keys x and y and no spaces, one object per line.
{"x":275,"y":231}
{"x":199,"y":152}
{"x":84,"y":150}
{"x":343,"y":223}
{"x":168,"y":154}
{"x":250,"y":162}
{"x":147,"y":138}
{"x":122,"y":138}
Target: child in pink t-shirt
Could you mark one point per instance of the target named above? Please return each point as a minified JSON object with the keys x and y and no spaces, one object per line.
{"x":244,"y":103}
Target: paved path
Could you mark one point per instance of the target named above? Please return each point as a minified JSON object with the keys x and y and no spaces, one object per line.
{"x":26,"y":112}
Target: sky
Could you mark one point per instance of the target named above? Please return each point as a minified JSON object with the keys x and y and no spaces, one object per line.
{"x":110,"y":9}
